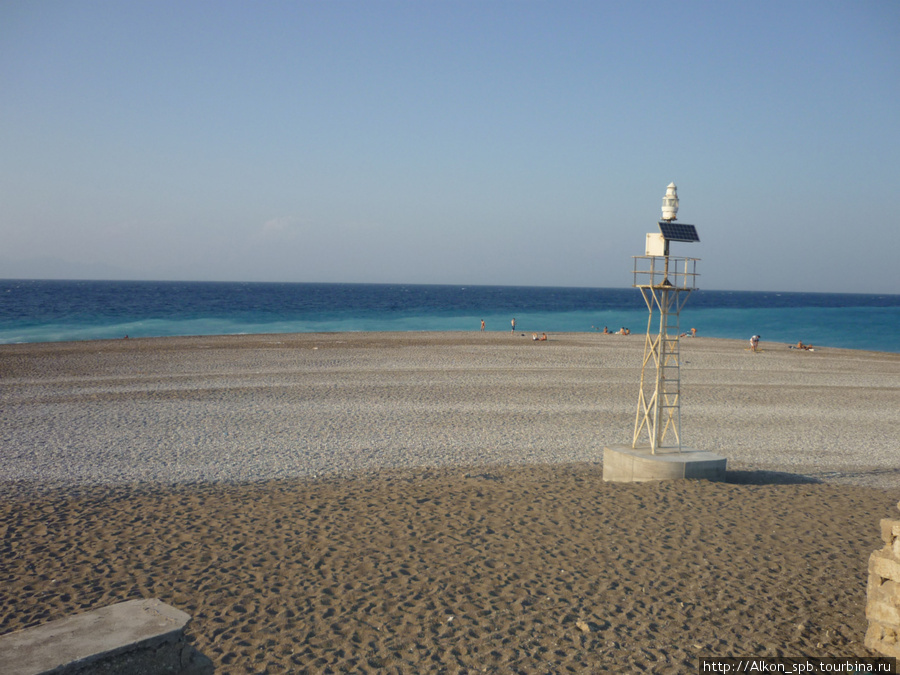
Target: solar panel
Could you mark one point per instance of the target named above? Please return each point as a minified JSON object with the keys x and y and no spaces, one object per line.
{"x":678,"y":231}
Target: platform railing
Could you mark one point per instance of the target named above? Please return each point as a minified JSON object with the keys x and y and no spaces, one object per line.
{"x":658,"y":271}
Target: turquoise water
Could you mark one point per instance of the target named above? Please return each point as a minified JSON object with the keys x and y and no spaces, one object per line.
{"x":50,"y":311}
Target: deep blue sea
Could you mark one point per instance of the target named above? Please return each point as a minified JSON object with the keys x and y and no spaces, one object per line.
{"x":50,"y":311}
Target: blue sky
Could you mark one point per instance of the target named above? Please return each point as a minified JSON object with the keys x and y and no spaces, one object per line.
{"x":474,"y":142}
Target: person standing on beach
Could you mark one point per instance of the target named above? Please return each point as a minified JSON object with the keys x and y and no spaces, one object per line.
{"x":513,"y":325}
{"x":754,"y":343}
{"x":482,"y":325}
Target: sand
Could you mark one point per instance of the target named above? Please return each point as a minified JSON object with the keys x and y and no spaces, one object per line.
{"x":412,"y":503}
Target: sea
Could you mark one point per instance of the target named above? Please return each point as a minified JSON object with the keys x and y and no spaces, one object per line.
{"x":54,"y":311}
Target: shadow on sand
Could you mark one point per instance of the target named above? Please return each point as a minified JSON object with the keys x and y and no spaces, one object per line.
{"x":768,"y":478}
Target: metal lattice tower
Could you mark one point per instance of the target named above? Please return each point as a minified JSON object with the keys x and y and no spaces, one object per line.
{"x":666,"y":283}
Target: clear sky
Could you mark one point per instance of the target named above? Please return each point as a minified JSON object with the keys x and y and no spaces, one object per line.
{"x":463,"y":142}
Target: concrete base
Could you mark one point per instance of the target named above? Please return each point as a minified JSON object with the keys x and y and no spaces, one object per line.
{"x":624,"y":464}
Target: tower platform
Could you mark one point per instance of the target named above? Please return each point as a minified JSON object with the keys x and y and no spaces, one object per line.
{"x":624,"y":464}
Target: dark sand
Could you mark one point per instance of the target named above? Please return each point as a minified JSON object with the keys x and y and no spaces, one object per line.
{"x":530,"y":570}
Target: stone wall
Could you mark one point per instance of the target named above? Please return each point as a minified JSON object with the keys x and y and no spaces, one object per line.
{"x":883,"y":606}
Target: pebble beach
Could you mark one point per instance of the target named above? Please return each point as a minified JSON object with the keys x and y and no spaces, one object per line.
{"x":434,"y":502}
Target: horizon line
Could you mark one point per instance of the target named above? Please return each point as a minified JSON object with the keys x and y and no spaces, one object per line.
{"x":401,"y":283}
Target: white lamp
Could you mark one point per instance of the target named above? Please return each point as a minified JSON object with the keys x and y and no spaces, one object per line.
{"x":670,"y":203}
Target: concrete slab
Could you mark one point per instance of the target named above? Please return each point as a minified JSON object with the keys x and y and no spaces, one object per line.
{"x":624,"y":464}
{"x":138,"y":636}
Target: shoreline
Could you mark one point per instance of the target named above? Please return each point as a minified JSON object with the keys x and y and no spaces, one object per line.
{"x":424,"y":332}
